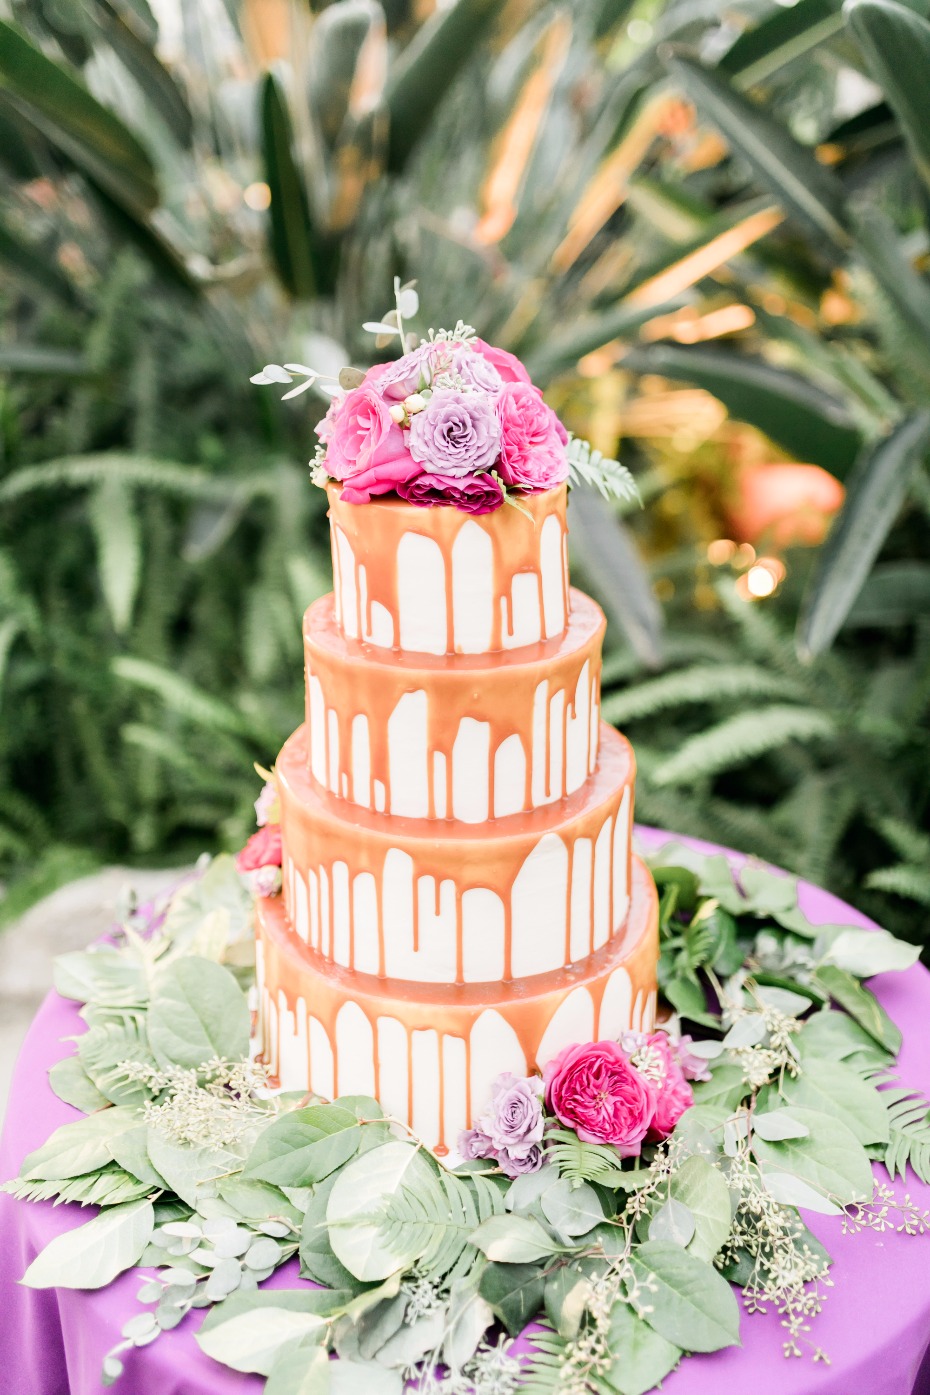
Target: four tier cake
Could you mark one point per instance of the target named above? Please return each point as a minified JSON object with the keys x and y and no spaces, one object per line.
{"x":459,"y":893}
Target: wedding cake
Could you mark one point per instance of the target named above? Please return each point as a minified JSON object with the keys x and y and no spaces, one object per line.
{"x":459,"y":895}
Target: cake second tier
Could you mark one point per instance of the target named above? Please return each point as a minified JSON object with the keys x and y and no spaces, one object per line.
{"x":458,"y":903}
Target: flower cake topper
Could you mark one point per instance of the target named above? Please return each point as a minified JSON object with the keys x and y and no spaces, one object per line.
{"x":453,"y":421}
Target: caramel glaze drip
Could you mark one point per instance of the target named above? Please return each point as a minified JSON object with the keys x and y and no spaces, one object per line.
{"x":374,"y":531}
{"x":318,"y":830}
{"x":359,"y":678}
{"x":527,"y":1005}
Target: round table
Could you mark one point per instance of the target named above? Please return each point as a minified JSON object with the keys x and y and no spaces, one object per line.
{"x":875,"y":1325}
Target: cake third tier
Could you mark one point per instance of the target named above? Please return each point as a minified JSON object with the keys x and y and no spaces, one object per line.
{"x":453,"y":902}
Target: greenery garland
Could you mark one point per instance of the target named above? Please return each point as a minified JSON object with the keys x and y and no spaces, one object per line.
{"x":211,"y":1179}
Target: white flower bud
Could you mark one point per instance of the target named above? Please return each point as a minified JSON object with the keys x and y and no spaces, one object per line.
{"x":414,"y":403}
{"x":399,"y":412}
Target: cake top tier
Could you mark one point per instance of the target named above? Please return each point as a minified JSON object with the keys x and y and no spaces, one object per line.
{"x":438,"y":581}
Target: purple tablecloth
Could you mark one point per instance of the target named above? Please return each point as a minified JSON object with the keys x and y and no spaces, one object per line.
{"x":875,"y":1326}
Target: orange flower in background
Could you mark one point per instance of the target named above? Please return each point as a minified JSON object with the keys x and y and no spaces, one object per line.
{"x":785,"y":504}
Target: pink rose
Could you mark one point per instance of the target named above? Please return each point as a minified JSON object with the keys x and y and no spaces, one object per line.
{"x":324,"y":427}
{"x":470,"y":493}
{"x":594,"y":1090}
{"x":508,"y":365}
{"x":366,"y":448}
{"x":532,"y":450}
{"x":674,"y":1093}
{"x":262,"y":850}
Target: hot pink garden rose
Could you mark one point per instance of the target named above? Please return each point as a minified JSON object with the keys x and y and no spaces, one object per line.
{"x":674,"y":1094}
{"x":262,"y":850}
{"x":594,"y":1090}
{"x":532,"y":439}
{"x":367,"y":451}
{"x":508,"y":365}
{"x":470,"y":493}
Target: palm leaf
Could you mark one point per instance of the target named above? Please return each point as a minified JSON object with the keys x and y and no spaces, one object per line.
{"x":743,"y":738}
{"x":895,"y":42}
{"x":290,"y":227}
{"x":873,"y":500}
{"x":781,"y":37}
{"x":604,"y":550}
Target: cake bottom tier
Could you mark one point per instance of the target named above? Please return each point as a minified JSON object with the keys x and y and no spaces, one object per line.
{"x":429,"y":1052}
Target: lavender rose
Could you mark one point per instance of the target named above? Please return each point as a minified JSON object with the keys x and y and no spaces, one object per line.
{"x":400,"y":377}
{"x":470,"y":493}
{"x":475,"y":1144}
{"x":477,"y":372}
{"x":457,"y":433}
{"x":514,"y":1162}
{"x":515,"y":1118}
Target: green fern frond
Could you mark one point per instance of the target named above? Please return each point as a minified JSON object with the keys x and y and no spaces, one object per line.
{"x":179,"y":695}
{"x":909,"y":1144}
{"x":701,"y":684}
{"x":544,"y":1372}
{"x":115,"y":526}
{"x":439,"y":1215}
{"x":107,"y":1187}
{"x":85,"y":471}
{"x":903,"y":879}
{"x":908,"y":842}
{"x":611,"y":479}
{"x":584,"y":1162}
{"x":741,"y":738}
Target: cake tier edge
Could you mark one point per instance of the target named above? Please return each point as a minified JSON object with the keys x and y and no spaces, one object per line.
{"x":430,"y":1053}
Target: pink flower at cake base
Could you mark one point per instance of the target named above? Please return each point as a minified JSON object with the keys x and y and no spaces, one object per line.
{"x":508,"y":365}
{"x":532,"y":439}
{"x":595,"y":1090}
{"x":266,"y":804}
{"x":262,"y":850}
{"x":367,"y":451}
{"x":457,"y":433}
{"x":674,"y":1094}
{"x":470,"y":493}
{"x":693,"y":1067}
{"x":266,"y":881}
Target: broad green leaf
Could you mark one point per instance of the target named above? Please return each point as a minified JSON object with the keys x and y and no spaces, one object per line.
{"x":829,"y":1087}
{"x":257,"y":1201}
{"x":251,"y":1340}
{"x":514,"y":1291}
{"x":861,"y":1004}
{"x":641,"y":1357}
{"x":768,"y":891}
{"x":791,"y":1190}
{"x":833,"y":1036}
{"x":303,"y":1371}
{"x":874,"y":497}
{"x":291,"y":229}
{"x":571,"y":1210}
{"x":895,"y":593}
{"x":794,"y":412}
{"x":191,"y":1173}
{"x":79,"y":1147}
{"x":514,"y":1239}
{"x":895,"y":41}
{"x":71,"y":1083}
{"x":774,"y":1125}
{"x":304,"y":1146}
{"x":566,"y":1297}
{"x":702,"y":1188}
{"x":830,"y":1158}
{"x":804,"y":187}
{"x":92,"y":1255}
{"x":356,"y":1202}
{"x":469,"y":1317}
{"x":690,"y":1304}
{"x":198,"y":1012}
{"x":780,"y":37}
{"x":138,"y":56}
{"x":85,"y":132}
{"x":426,"y":68}
{"x":725,"y":1087}
{"x":867,"y":952}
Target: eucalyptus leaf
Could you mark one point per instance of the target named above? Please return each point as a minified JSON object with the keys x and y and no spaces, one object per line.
{"x":746,"y":1031}
{"x":353,"y":1213}
{"x":838,"y":1090}
{"x":198,"y":1012}
{"x":92,"y":1255}
{"x":867,"y":952}
{"x":571,"y":1210}
{"x":641,"y":1356}
{"x":514,"y":1239}
{"x":71,"y":1083}
{"x":703,"y":1190}
{"x":673,"y":1222}
{"x":830,"y":1159}
{"x":304,"y":1146}
{"x":777,"y":1124}
{"x":79,"y":1147}
{"x":514,"y":1291}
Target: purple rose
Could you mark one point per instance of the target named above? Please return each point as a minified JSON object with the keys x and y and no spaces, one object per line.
{"x":516,"y":1161}
{"x":470,"y":493}
{"x":475,"y":1144}
{"x":515,"y":1118}
{"x":457,"y":433}
{"x":477,"y":372}
{"x":693,"y":1067}
{"x":265,"y":881}
{"x":400,"y":377}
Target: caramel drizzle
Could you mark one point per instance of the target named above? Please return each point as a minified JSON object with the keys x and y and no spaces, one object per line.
{"x":374,"y":532}
{"x":292,"y":968}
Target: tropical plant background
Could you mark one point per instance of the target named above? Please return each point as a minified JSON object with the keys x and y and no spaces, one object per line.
{"x":705,"y":229}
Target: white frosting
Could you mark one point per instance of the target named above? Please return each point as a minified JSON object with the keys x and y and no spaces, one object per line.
{"x":534,"y":609}
{"x":561,"y":755}
{"x":417,"y":920}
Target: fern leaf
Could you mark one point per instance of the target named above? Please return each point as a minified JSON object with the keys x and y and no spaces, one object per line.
{"x":585,"y":1162}
{"x":544,"y":1372}
{"x":180,"y":695}
{"x":741,"y":738}
{"x":84,"y":471}
{"x":611,"y":479}
{"x":437,"y":1218}
{"x":909,"y":842}
{"x":702,"y":683}
{"x":902,"y":879}
{"x":909,"y":1121}
{"x":106,"y":1187}
{"x":119,"y":548}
